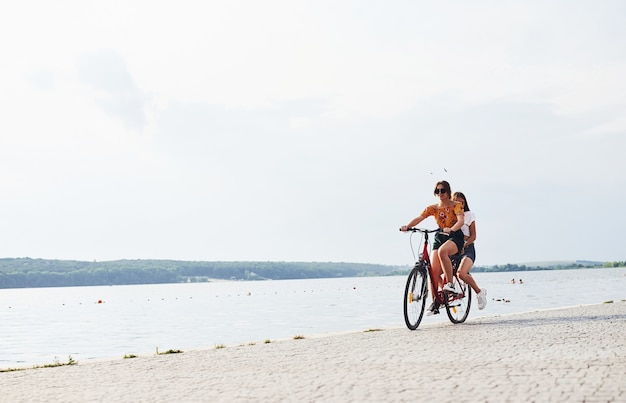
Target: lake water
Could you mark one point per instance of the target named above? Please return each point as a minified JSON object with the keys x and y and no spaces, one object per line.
{"x":41,"y":325}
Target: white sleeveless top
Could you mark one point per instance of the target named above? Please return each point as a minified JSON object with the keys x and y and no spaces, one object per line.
{"x":468,"y":220}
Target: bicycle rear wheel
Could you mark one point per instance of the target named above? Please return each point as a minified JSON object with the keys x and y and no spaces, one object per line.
{"x":415,"y":294}
{"x":458,"y":306}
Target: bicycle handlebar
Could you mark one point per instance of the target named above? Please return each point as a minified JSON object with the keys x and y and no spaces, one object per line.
{"x":422,"y":230}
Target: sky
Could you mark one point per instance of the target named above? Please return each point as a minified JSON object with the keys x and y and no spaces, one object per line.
{"x":304,"y":131}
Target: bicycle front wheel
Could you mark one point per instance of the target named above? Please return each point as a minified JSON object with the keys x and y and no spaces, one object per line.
{"x":415,"y":297}
{"x":458,"y":306}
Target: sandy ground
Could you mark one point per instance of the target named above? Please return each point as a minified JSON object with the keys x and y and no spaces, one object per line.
{"x":575,"y":354}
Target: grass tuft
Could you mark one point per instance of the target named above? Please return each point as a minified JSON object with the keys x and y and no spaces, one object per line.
{"x":170,"y":351}
{"x":56,"y":363}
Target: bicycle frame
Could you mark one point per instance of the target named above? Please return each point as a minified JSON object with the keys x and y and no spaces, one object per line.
{"x":425,"y":257}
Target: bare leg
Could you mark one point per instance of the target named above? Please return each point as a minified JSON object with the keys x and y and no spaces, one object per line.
{"x":436,"y":266}
{"x":464,"y":274}
{"x":444,"y":252}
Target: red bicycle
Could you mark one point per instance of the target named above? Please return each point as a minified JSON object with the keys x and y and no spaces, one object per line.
{"x":416,"y":290}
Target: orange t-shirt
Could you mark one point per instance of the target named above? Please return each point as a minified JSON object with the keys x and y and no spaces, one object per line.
{"x":446,"y":217}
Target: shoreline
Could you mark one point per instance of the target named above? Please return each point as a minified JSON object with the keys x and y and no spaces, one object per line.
{"x":425,"y":323}
{"x":576,"y":353}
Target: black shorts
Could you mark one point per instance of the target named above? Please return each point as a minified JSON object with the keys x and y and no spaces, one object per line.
{"x":454,"y":236}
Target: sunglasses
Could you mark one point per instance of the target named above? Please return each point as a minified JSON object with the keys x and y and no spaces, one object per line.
{"x":440,"y":190}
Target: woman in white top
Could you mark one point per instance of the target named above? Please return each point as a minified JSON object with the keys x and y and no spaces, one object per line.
{"x":469,"y":252}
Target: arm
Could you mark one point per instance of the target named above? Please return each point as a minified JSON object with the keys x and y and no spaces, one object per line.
{"x":472,"y":237}
{"x":460,"y":219}
{"x":412,"y":223}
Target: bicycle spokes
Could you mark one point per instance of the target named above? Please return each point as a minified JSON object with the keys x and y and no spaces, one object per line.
{"x":414,"y":298}
{"x":458,"y":306}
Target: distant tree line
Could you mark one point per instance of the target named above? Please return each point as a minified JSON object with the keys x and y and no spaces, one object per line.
{"x":615,"y":264}
{"x":27,"y":272}
{"x":521,"y":267}
{"x":516,"y":267}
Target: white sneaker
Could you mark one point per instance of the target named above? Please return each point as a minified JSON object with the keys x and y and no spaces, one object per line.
{"x":482,"y":298}
{"x":433,"y":309}
{"x":451,"y":288}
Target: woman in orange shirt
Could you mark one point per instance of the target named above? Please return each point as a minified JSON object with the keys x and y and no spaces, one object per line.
{"x":450,"y":217}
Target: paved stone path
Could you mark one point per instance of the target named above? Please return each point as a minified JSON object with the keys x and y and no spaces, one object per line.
{"x":567,"y":355}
